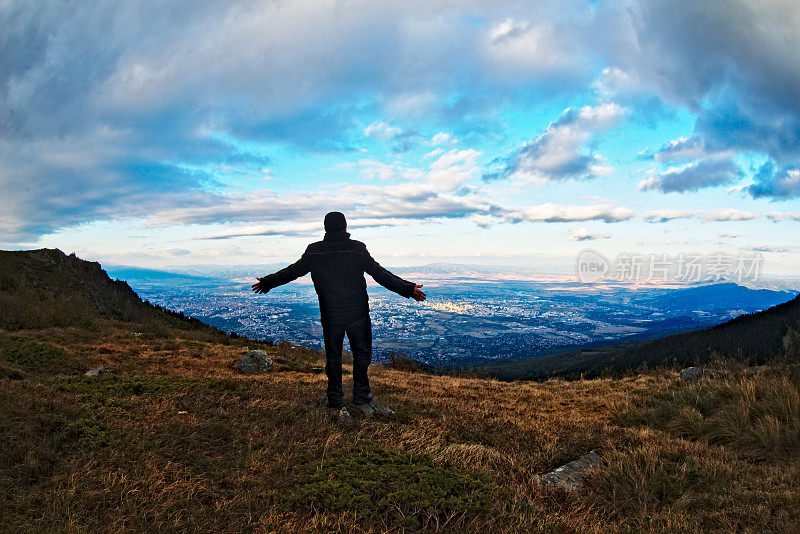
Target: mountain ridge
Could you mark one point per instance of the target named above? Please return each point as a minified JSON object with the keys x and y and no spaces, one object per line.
{"x":46,"y":287}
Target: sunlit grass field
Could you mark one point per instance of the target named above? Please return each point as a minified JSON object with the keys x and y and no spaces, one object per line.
{"x":173,"y":439}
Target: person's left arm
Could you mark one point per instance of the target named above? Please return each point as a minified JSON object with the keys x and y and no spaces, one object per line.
{"x":389,"y":280}
{"x":294,"y":271}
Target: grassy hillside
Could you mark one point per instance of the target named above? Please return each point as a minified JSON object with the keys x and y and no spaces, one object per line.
{"x":173,"y":439}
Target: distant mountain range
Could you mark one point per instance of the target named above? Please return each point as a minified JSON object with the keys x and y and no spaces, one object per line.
{"x":141,"y":273}
{"x":753,"y":338}
{"x":719,"y":296}
{"x":551,"y":276}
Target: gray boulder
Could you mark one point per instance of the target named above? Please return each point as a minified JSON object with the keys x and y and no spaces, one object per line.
{"x":694,"y":374}
{"x":255,"y":361}
{"x":570,"y":475}
{"x":97,"y":371}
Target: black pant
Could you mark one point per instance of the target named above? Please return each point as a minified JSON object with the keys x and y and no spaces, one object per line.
{"x":359,"y":333}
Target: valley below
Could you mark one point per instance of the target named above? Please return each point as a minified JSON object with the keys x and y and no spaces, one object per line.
{"x":466,"y":321}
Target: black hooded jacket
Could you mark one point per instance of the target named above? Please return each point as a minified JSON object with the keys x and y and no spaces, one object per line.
{"x":337,"y":265}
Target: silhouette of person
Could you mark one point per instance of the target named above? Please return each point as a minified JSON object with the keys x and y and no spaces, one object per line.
{"x":337,"y":265}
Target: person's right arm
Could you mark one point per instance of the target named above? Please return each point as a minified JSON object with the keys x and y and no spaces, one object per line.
{"x":294,"y":271}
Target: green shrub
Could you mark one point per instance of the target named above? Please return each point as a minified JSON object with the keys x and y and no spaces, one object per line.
{"x":120,"y":386}
{"x":33,"y":355}
{"x":405,"y":489}
{"x":88,"y":432}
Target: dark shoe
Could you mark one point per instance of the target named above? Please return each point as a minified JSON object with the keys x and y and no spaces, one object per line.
{"x":374,"y":407}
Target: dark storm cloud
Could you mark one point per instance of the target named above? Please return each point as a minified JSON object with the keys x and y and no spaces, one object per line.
{"x":735,"y":65}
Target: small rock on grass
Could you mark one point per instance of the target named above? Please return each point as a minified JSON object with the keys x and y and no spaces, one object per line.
{"x":255,"y":361}
{"x":570,"y":475}
{"x":97,"y":371}
{"x":694,"y":374}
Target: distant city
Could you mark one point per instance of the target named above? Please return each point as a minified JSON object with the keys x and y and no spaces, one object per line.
{"x":466,"y":320}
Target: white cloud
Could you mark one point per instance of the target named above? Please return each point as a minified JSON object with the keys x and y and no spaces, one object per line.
{"x":550,"y":212}
{"x":601,"y":170}
{"x":723,"y":214}
{"x":582,"y":234}
{"x":734,"y":65}
{"x":371,"y":205}
{"x":437,"y":191}
{"x":528,"y":50}
{"x":780,"y":183}
{"x":683,"y":148}
{"x":373,"y":169}
{"x":434,"y":153}
{"x":307,"y":229}
{"x":769,"y":248}
{"x":665,"y":215}
{"x":613,"y":81}
{"x":560,"y":153}
{"x":382,"y":131}
{"x":453,"y":168}
{"x":778,"y":216}
{"x":730,"y":214}
{"x":483,"y":221}
{"x":412,"y":104}
{"x":443,"y":138}
{"x":118,"y":110}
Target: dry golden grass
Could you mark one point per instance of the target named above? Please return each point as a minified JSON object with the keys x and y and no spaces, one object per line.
{"x":175,"y":440}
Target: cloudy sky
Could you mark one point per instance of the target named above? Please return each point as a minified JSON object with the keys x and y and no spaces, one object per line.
{"x":179,"y":133}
